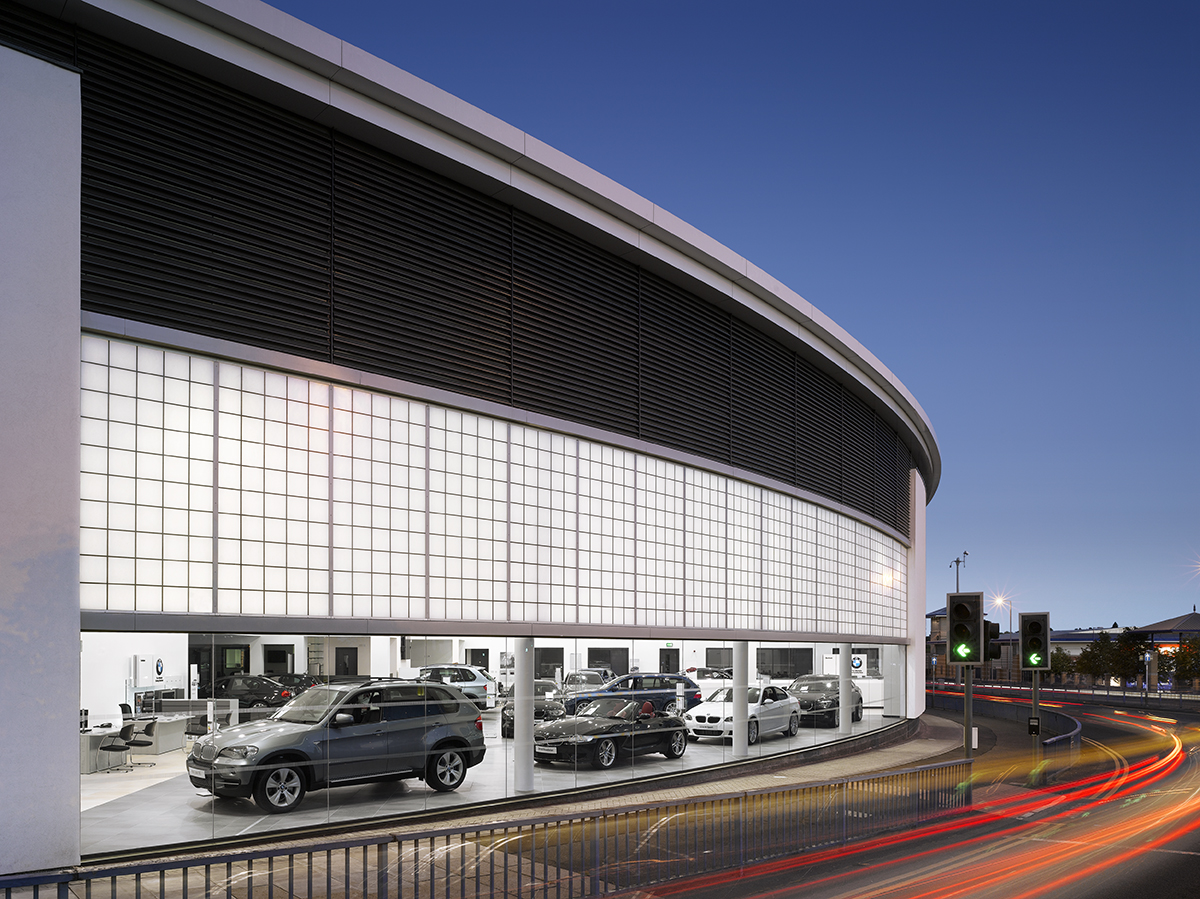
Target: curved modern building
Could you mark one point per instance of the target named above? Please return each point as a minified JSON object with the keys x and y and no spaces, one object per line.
{"x":311,"y":366}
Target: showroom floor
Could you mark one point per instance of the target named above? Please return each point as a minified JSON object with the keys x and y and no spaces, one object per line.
{"x":158,"y":806}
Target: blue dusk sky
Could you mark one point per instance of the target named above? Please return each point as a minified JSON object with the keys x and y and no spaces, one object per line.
{"x":1001,"y":201}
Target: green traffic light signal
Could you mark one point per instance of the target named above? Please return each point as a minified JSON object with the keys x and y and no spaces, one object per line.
{"x":965,"y":614}
{"x":1035,"y":641}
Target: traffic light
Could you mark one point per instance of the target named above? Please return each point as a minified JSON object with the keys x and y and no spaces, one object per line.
{"x":964,"y":613}
{"x":1035,"y":641}
{"x":993,"y":640}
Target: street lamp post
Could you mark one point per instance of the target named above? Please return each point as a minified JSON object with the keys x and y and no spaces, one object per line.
{"x":1001,"y":601}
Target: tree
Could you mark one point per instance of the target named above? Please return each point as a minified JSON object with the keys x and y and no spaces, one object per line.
{"x":1130,"y":656}
{"x":1061,"y":662}
{"x":1166,"y":666}
{"x":1187,"y":660}
{"x":1097,"y":658}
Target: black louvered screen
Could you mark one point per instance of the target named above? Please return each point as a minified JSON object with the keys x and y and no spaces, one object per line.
{"x":575,"y":333}
{"x":422,"y":276}
{"x":209,"y":211}
{"x":858,"y":447}
{"x":686,"y":379}
{"x":818,"y":431}
{"x":764,"y":404}
{"x":202,"y":209}
{"x":891,"y":494}
{"x":37,"y":34}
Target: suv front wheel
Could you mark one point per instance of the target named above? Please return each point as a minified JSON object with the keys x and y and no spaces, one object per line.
{"x":279,"y":790}
{"x":446,"y":771}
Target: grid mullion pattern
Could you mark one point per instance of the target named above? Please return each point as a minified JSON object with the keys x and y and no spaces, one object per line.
{"x":320,"y":499}
{"x":273,"y":494}
{"x":468,"y":516}
{"x":378,"y":505}
{"x":146,"y":479}
{"x":607,"y":535}
{"x":707,"y":556}
{"x":660,"y":532}
{"x":778,"y":567}
{"x":545,"y":525}
{"x":744,"y":590}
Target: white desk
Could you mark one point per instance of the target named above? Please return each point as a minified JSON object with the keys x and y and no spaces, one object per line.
{"x":167,"y":736}
{"x":89,"y":749}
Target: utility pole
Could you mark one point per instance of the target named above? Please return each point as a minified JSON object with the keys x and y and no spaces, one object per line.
{"x":961,"y":560}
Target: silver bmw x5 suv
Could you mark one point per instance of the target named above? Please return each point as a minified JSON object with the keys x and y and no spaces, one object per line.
{"x":334,"y":734}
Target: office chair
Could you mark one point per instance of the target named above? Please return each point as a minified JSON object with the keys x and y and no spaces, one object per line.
{"x":136,"y":741}
{"x":120,"y":744}
{"x":126,"y":713}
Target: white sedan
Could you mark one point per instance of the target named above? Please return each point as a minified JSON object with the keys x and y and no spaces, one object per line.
{"x":769,"y":710}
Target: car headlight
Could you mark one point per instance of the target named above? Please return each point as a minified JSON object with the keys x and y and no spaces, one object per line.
{"x":728,"y":719}
{"x":579,"y":738}
{"x":238,"y":752}
{"x":826,"y":703}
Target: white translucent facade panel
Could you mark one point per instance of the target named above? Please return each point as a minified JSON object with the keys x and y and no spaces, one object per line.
{"x":146,"y":484}
{"x":272,"y":493}
{"x":214,"y":487}
{"x":607,"y":535}
{"x":745,"y":544}
{"x":660,"y":542}
{"x":706,"y":558}
{"x":468,"y":517}
{"x":780,"y":571}
{"x":379,"y":506}
{"x":545,"y":527}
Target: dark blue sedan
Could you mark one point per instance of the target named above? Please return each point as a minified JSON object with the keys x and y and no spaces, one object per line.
{"x":661,"y":690}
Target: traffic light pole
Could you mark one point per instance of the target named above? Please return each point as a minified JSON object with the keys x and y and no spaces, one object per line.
{"x":1036,"y":775}
{"x":968,"y":723}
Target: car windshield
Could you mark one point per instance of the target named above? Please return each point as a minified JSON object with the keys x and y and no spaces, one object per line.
{"x":310,"y":706}
{"x":814,"y":686}
{"x":582,"y":680}
{"x":610,"y":708}
{"x":725,"y":694}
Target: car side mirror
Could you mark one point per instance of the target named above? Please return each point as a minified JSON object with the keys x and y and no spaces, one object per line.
{"x":343,"y":719}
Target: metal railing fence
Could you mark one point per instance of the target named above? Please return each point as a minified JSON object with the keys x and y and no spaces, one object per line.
{"x":565,"y":856}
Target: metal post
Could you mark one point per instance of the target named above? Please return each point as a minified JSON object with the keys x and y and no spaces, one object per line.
{"x":968,"y":723}
{"x":1037,"y":738}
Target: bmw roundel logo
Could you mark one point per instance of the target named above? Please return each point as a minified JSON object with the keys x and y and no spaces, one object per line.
{"x":158,"y":666}
{"x":854,"y":663}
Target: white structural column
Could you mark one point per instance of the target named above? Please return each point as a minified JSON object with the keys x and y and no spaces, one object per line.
{"x":891,"y":665}
{"x":915,"y":667}
{"x":39,"y":442}
{"x":741,"y":692}
{"x":845,"y":694}
{"x":522,"y":699}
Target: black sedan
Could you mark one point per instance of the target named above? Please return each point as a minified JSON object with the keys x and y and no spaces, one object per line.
{"x":605,"y":729}
{"x":819,"y":696}
{"x":252,"y":690}
{"x":545,"y":707}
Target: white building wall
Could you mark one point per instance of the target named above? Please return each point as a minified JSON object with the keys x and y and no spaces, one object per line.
{"x":916,"y":596}
{"x":39,"y":442}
